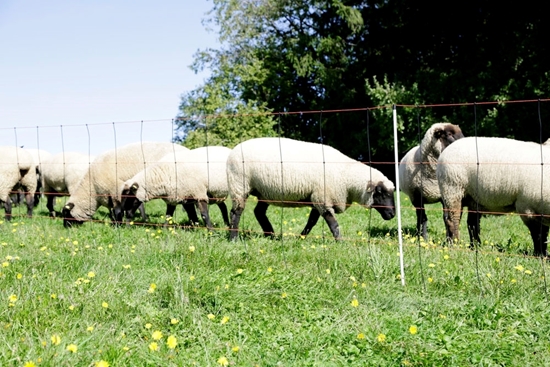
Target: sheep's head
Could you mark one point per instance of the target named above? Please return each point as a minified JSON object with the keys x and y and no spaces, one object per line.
{"x":130,"y":203}
{"x":383,"y":198}
{"x":447,"y":134}
{"x":68,"y":219}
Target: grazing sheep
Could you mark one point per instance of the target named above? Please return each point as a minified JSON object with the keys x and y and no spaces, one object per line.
{"x":61,"y":173}
{"x":496,"y":175}
{"x":39,"y":156}
{"x":286,"y":172}
{"x":17,"y":170}
{"x":186,"y":177}
{"x":103,"y":183}
{"x":417,"y":170}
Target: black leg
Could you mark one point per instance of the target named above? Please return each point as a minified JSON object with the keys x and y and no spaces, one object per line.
{"x":260,"y":213}
{"x":30,"y":203}
{"x":50,"y":204}
{"x":539,"y":234}
{"x":473,"y":222}
{"x":223,"y":209}
{"x":7,"y":208}
{"x":311,"y":221}
{"x":421,"y":218}
{"x":191,"y":212}
{"x":235,"y":218}
{"x":332,"y":224}
{"x":203,"y":208}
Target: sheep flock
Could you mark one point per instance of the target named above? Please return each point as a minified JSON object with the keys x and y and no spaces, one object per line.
{"x":486,"y":175}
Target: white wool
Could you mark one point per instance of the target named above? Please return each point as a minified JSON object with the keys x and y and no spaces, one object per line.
{"x":13,"y":162}
{"x":62,"y":172}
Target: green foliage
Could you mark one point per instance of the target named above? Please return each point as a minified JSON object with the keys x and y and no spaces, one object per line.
{"x":312,"y":55}
{"x":289,"y":301}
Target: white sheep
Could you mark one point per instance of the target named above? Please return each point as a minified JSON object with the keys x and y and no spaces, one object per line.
{"x":61,"y":174}
{"x":286,"y":172}
{"x":187,"y":177}
{"x":496,"y":175}
{"x":102,"y":184}
{"x":39,"y":156}
{"x":417,"y":170}
{"x":17,"y":170}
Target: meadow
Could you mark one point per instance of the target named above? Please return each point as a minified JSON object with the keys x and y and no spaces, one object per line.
{"x":152,"y":295}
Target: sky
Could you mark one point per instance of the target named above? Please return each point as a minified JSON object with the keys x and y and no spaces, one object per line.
{"x":89,"y":76}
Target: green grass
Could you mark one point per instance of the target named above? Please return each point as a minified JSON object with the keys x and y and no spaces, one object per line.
{"x":287,"y":302}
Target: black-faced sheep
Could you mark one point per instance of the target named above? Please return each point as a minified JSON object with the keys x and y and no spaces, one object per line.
{"x":417,"y":170}
{"x":187,"y":177}
{"x":496,"y":175}
{"x":17,"y":170}
{"x":286,"y":172}
{"x":103,"y":183}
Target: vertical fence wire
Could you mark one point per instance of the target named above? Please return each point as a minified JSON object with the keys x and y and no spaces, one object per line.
{"x":542,"y":241}
{"x":473,"y":241}
{"x":419,"y":223}
{"x":398,"y":202}
{"x":324,"y":168}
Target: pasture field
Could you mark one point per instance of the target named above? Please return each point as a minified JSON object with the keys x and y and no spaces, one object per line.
{"x":137,"y":295}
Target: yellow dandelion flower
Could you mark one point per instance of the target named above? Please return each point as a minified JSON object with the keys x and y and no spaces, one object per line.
{"x":148,"y":326}
{"x":157,"y":335}
{"x":519,"y":267}
{"x":222,"y":361}
{"x":488,"y":275}
{"x":328,"y":271}
{"x":497,"y":259}
{"x":102,"y":364}
{"x":5,"y":264}
{"x":71,"y":307}
{"x":355,"y":302}
{"x":381,"y":338}
{"x":235,"y":349}
{"x":270,"y":269}
{"x":152,"y":288}
{"x":153,"y":347}
{"x":56,"y":340}
{"x":430,"y":280}
{"x":192,"y":277}
{"x":126,"y":266}
{"x":284,"y":295}
{"x":172,"y":342}
{"x":239,"y":271}
{"x":174,"y":321}
{"x":446,"y":257}
{"x":413,"y":329}
{"x":53,"y":296}
{"x":513,"y":281}
{"x":211,"y":316}
{"x":90,"y":328}
{"x":91,"y":274}
{"x":19,"y":276}
{"x":431,"y":265}
{"x":360,"y":336}
{"x":191,"y":248}
{"x":104,"y":305}
{"x":224,"y":320}
{"x":72,"y":348}
{"x":29,"y":364}
{"x":12,"y":298}
{"x":528,"y":272}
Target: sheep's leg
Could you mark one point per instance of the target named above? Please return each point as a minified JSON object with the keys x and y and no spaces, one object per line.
{"x":539,"y":234}
{"x":203,"y":208}
{"x":314,"y":216}
{"x":50,"y":203}
{"x":421,"y":218}
{"x":142,"y":212}
{"x":451,"y":217}
{"x":473,"y":222}
{"x":223,"y":209}
{"x":29,"y":198}
{"x":236,"y":212}
{"x":191,"y":212}
{"x":332,"y":224}
{"x":260,"y":213}
{"x":7,"y":208}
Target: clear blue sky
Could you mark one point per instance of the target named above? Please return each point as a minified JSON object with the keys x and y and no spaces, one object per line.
{"x":72,"y":63}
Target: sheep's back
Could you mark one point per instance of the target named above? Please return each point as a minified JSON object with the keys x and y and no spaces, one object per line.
{"x":63,"y":171}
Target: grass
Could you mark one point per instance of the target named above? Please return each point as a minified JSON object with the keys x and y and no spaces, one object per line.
{"x":97,"y":295}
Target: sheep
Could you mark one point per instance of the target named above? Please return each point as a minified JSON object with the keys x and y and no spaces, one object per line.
{"x":39,"y":156}
{"x":286,"y":172}
{"x":417,"y":170}
{"x":197,"y":176}
{"x":495,"y":175}
{"x":102,"y":184}
{"x":17,"y":170}
{"x":61,"y":174}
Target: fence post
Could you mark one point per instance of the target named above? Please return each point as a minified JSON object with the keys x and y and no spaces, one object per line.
{"x":398,"y":199}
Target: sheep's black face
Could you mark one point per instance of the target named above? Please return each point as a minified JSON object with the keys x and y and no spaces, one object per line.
{"x":383,"y":201}
{"x":449,"y":135}
{"x":68,"y":219}
{"x":129,"y":201}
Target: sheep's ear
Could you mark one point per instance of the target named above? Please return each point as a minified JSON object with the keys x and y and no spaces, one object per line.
{"x":134,"y":188}
{"x":439,"y":133}
{"x":69,"y":206}
{"x":370,"y":186}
